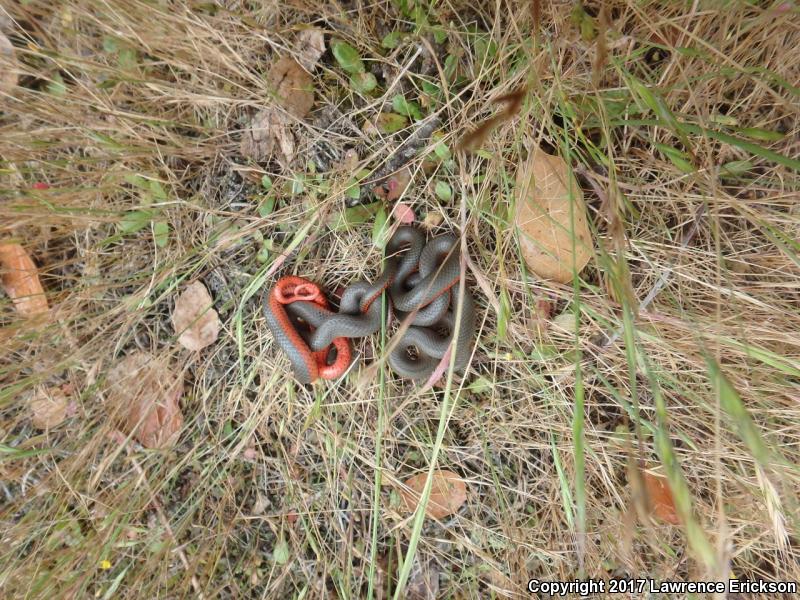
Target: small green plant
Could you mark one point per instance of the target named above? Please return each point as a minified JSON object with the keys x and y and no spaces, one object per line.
{"x":406,"y":108}
{"x":349,"y":59}
{"x":149,"y":190}
{"x":391,"y":122}
{"x":391,"y":40}
{"x":56,"y":86}
{"x":268,"y":203}
{"x":443,"y":191}
{"x":678,"y":158}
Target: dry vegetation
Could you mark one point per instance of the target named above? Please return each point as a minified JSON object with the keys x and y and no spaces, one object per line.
{"x":677,"y":351}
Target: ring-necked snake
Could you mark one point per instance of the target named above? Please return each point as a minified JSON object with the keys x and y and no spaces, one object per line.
{"x":308,"y":365}
{"x":420,"y":279}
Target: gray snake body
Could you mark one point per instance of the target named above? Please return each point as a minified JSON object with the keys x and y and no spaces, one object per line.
{"x":429,"y":297}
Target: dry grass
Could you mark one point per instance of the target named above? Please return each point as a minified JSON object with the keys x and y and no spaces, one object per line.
{"x":271,"y":492}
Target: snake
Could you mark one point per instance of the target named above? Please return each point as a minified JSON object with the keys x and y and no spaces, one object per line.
{"x":419,"y":278}
{"x":357,"y":317}
{"x":439,"y":270}
{"x":308,"y":365}
{"x":304,"y":327}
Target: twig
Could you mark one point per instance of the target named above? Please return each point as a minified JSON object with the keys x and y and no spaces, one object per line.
{"x":404,"y":154}
{"x":475,"y":138}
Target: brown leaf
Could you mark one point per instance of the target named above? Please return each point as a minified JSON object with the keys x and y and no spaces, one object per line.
{"x":194,"y":318}
{"x":543,"y":218}
{"x":48,"y":407}
{"x":261,"y":504}
{"x":310,"y":47}
{"x":9,"y":68}
{"x":539,"y":321}
{"x":144,"y":394}
{"x":370,"y":128}
{"x":448,"y":493}
{"x":292,"y":86}
{"x":269,"y":132}
{"x":270,"y":129}
{"x":20,"y":280}
{"x":432,"y":220}
{"x":544,"y":308}
{"x":659,"y":494}
{"x":348,"y":163}
{"x":394,"y":186}
{"x":423,"y":584}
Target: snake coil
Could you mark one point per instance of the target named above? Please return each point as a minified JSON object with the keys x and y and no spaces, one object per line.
{"x":422,"y":283}
{"x":429,"y":298}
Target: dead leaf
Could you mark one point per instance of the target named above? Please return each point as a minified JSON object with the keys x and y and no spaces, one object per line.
{"x":543,"y":218}
{"x":143,"y":395}
{"x":370,"y":128}
{"x":261,"y":504}
{"x":394,"y":186}
{"x":403,"y":213}
{"x":448,"y":493}
{"x":48,"y":407}
{"x":195,"y":319}
{"x":543,"y":309}
{"x":539,"y":321}
{"x":270,"y":129}
{"x":291,"y":86}
{"x":269,"y":132}
{"x":310,"y":47}
{"x":348,"y":163}
{"x":9,"y":68}
{"x":659,"y":494}
{"x":423,"y":584}
{"x":20,"y":279}
{"x":432,"y":220}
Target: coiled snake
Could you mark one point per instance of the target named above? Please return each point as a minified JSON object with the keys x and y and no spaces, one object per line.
{"x":422,"y":283}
